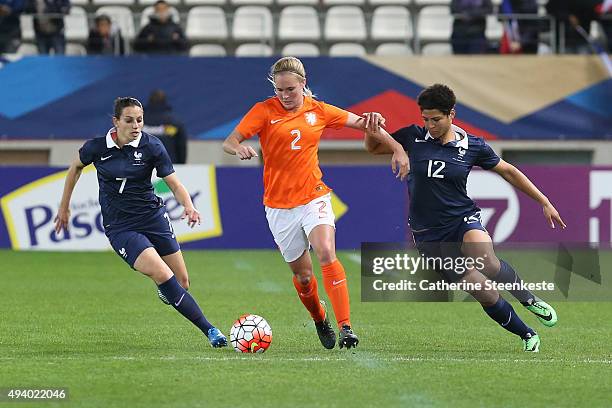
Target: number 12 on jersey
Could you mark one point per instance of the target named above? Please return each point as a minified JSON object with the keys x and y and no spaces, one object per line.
{"x":436,"y":170}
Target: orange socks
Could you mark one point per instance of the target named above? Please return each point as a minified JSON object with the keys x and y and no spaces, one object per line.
{"x":334,"y":280}
{"x":309,"y":295}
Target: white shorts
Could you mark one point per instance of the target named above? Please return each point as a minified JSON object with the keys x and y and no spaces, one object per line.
{"x":292,"y":226}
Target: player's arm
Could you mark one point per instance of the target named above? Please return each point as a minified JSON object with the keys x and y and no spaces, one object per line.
{"x":519,"y":180}
{"x":233,"y":145}
{"x":380,"y":140}
{"x":63,"y":213}
{"x":182,"y":196}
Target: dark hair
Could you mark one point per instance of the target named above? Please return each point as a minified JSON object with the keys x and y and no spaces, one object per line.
{"x":102,"y":17}
{"x":123,"y":102}
{"x":157,"y":97}
{"x":158,"y":2}
{"x":437,"y":96}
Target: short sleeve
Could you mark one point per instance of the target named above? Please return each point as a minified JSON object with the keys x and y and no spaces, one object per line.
{"x":87,"y":153}
{"x":335,"y":118}
{"x":487,"y":158}
{"x":405,"y":137}
{"x":163,"y":164}
{"x":253,"y":122}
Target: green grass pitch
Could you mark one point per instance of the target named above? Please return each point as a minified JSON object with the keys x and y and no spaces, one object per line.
{"x":86,"y":322}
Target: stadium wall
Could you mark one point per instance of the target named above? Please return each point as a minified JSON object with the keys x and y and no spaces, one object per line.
{"x":371,"y":205}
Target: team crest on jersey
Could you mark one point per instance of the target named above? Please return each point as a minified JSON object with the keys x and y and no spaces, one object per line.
{"x":311,"y":118}
{"x":137,"y":156}
{"x":461,"y":152}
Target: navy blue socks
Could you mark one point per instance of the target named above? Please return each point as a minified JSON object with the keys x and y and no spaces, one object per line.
{"x":503,"y":313}
{"x":182,"y":301}
{"x":507,"y":274}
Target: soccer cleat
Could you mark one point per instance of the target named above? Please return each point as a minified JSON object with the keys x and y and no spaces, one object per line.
{"x":326,"y":332}
{"x":216,"y":338}
{"x":162,"y":297}
{"x":346,"y":337}
{"x":543,"y":311}
{"x":531,"y":343}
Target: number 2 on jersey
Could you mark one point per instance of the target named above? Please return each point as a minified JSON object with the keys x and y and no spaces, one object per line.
{"x":436,"y":172}
{"x":298,"y":135}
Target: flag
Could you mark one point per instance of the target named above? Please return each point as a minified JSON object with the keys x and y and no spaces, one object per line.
{"x":511,"y":30}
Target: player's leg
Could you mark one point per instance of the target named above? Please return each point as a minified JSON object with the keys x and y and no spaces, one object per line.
{"x":320,"y":228}
{"x":176,"y":263}
{"x":306,"y":285}
{"x":288,"y":234}
{"x":477,"y":244}
{"x":501,"y":311}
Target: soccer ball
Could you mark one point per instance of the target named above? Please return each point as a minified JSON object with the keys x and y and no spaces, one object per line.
{"x":251,"y":334}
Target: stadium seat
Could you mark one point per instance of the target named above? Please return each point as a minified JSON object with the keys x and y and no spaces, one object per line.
{"x":207,"y":50}
{"x":206,"y":23}
{"x":149,"y":11}
{"x":299,"y":49}
{"x":113,"y":2}
{"x":27,"y":27}
{"x":79,"y":3}
{"x":254,"y":50}
{"x":347,"y":50}
{"x":299,"y":23}
{"x":391,"y":23}
{"x":434,"y":23}
{"x":152,"y":2}
{"x":345,"y":23}
{"x":121,"y":17}
{"x":297,"y":2}
{"x":204,"y":2}
{"x":252,"y":23}
{"x":437,"y":49}
{"x":329,"y":3}
{"x":390,"y":2}
{"x":27,"y":49}
{"x":76,"y":26}
{"x":495,"y":28}
{"x":421,"y":3}
{"x":544,"y":49}
{"x":75,"y":49}
{"x":389,"y":49}
{"x":251,"y":2}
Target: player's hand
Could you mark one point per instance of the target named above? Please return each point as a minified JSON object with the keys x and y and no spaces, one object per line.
{"x":61,"y":220}
{"x":373,"y":121}
{"x":192,"y":215}
{"x":400,"y":164}
{"x":552,"y":216}
{"x":245,"y":152}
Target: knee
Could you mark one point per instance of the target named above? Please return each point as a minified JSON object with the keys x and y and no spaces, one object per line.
{"x":184,"y":282}
{"x":326,"y":254}
{"x":490,"y":265}
{"x":304,"y":277}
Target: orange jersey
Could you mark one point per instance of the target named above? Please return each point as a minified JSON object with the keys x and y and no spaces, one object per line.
{"x":290,"y":145}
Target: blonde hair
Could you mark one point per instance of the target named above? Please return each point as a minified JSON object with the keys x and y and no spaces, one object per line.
{"x":292,"y":65}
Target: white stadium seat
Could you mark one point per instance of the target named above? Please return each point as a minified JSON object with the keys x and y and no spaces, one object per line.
{"x":252,"y":23}
{"x":345,"y":23}
{"x":297,"y":2}
{"x":299,"y":23}
{"x":76,"y":25}
{"x":207,"y":50}
{"x":390,"y":2}
{"x":75,"y":49}
{"x":151,"y":2}
{"x":432,"y":2}
{"x":330,"y":3}
{"x":206,"y":23}
{"x":437,"y":49}
{"x":390,"y":49}
{"x":434,"y":23}
{"x":204,"y":2}
{"x":250,"y":2}
{"x":113,"y":2}
{"x":121,"y":17}
{"x":495,"y":28}
{"x":254,"y":50}
{"x":27,"y":49}
{"x":27,"y":27}
{"x":347,"y":50}
{"x":391,"y":23}
{"x":299,"y":49}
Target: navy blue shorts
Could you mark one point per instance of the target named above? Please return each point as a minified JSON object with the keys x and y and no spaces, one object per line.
{"x":157,"y":233}
{"x":446,"y":242}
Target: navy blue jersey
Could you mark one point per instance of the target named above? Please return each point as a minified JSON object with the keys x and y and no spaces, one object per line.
{"x":438,"y":175}
{"x":124,"y":177}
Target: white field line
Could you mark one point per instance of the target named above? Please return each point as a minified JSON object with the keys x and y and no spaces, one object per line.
{"x":356,"y":359}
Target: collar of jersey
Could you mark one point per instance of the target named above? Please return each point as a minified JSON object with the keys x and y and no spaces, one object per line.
{"x":462,"y":143}
{"x":278,"y":106}
{"x":111,"y":143}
